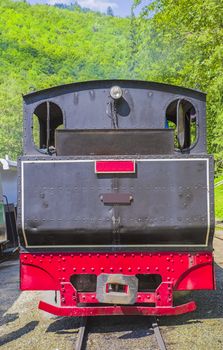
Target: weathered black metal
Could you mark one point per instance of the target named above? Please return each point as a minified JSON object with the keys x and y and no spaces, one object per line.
{"x":168,"y":201}
{"x":114,"y":142}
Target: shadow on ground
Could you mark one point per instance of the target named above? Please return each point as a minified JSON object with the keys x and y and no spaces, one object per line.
{"x":7,"y":338}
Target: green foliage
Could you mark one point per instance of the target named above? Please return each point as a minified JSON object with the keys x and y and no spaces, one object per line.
{"x":43,"y":46}
{"x":180,"y":42}
{"x":219,"y":200}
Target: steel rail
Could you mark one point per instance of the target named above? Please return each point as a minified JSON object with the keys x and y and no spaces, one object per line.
{"x":158,"y":335}
{"x":82,"y":329}
{"x":81,"y":332}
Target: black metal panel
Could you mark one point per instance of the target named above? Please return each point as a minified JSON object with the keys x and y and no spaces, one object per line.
{"x":88,"y":105}
{"x":114,"y":142}
{"x":62,"y":203}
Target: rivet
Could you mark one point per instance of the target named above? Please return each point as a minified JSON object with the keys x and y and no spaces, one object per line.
{"x":168,"y":259}
{"x":181,"y":261}
{"x":81,"y":255}
{"x":111,"y":269}
{"x":92,"y":269}
{"x":168,"y":268}
{"x":120,"y":268}
{"x":41,"y":260}
{"x":189,"y":255}
{"x":83,"y":268}
{"x":92,"y":297}
{"x":102,"y":268}
{"x":141,"y":254}
{"x":25,"y":256}
{"x":157,"y":268}
{"x":63,"y":259}
{"x":172,"y":270}
{"x":133,"y":255}
{"x":74,"y":268}
{"x":129,"y":269}
{"x":72,"y":255}
{"x":63,"y":269}
{"x":147,"y":268}
{"x":51,"y":255}
{"x":124,"y":254}
{"x":138,"y":268}
{"x":89,"y":255}
{"x":83,"y":297}
{"x":168,"y":278}
{"x":106,"y":255}
{"x":116,"y":255}
{"x":98,"y":255}
{"x":148,"y":296}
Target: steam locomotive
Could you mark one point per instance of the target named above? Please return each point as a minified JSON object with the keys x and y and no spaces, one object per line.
{"x":115,"y":198}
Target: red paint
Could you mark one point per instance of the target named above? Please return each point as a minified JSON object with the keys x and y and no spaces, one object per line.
{"x":179,"y":271}
{"x":118,"y":310}
{"x":114,"y":166}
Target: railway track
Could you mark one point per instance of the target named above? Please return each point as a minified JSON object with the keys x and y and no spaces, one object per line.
{"x":79,"y":345}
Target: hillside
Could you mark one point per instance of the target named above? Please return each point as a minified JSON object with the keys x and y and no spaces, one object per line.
{"x":42,"y":46}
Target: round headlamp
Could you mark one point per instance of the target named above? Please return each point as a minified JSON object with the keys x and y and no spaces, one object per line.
{"x":116,"y":92}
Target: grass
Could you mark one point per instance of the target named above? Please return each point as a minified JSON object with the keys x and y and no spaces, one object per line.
{"x":219,"y":200}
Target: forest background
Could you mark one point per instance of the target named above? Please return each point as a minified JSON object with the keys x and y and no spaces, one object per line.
{"x":172,"y":41}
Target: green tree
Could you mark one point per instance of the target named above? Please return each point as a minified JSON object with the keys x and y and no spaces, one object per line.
{"x":180,"y":42}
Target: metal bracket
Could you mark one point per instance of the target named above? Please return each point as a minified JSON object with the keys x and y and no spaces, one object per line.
{"x":116,"y":289}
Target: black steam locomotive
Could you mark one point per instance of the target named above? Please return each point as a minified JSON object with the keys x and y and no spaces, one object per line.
{"x":115,"y":209}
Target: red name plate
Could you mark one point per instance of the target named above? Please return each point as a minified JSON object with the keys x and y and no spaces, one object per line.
{"x":114,"y":166}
